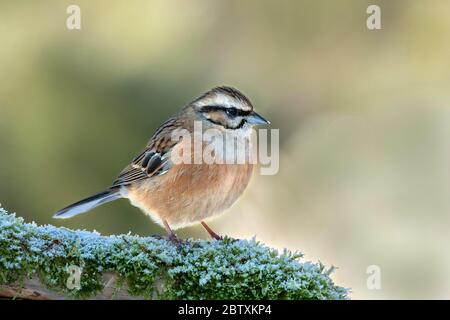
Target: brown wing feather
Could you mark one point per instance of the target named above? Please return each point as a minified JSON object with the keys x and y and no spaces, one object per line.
{"x":153,"y":160}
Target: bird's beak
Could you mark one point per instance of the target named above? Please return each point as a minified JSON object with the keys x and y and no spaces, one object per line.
{"x":256,"y":119}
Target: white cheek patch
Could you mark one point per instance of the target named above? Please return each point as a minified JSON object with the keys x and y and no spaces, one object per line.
{"x":233,"y":146}
{"x":244,"y":131}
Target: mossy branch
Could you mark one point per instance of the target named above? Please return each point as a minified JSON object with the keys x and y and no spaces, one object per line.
{"x":39,"y":262}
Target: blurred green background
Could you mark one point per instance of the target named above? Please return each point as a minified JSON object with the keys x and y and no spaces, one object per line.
{"x":364,"y":121}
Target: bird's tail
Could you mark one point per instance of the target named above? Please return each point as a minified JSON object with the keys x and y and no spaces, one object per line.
{"x":87,"y":204}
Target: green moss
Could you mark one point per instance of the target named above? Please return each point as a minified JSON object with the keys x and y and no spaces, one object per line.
{"x":228,"y":269}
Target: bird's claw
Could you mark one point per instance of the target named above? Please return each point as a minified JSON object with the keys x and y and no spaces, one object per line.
{"x":175,"y":240}
{"x":217,"y":237}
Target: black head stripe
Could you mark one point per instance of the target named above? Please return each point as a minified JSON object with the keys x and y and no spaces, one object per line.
{"x":233,"y":93}
{"x":235,"y":111}
{"x":227,"y":91}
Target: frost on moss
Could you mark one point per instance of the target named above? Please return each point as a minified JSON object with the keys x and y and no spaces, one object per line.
{"x":228,"y":269}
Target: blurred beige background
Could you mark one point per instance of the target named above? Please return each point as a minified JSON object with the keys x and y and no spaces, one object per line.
{"x":364,"y":121}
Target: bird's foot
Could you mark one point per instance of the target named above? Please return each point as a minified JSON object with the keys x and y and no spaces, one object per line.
{"x":211,"y":232}
{"x":157,"y":236}
{"x":175,"y":240}
{"x":215,"y":236}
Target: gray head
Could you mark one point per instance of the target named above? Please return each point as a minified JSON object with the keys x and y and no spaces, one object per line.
{"x":226,"y":108}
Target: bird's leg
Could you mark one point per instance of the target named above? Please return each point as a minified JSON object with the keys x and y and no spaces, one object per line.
{"x":211,"y":233}
{"x":172,"y":236}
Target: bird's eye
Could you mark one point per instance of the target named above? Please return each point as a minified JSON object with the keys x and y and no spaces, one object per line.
{"x":232,"y":112}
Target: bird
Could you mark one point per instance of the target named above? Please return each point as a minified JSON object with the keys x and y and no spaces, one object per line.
{"x":176,"y":194}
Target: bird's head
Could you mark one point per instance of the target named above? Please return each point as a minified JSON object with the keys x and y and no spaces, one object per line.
{"x":226,"y":108}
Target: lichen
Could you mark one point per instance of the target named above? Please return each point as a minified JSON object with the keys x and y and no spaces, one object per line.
{"x":228,"y":269}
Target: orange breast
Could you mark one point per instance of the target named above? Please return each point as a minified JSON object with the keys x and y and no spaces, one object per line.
{"x":189,"y":193}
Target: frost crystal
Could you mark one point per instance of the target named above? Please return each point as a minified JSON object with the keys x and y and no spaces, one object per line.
{"x":228,"y":269}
